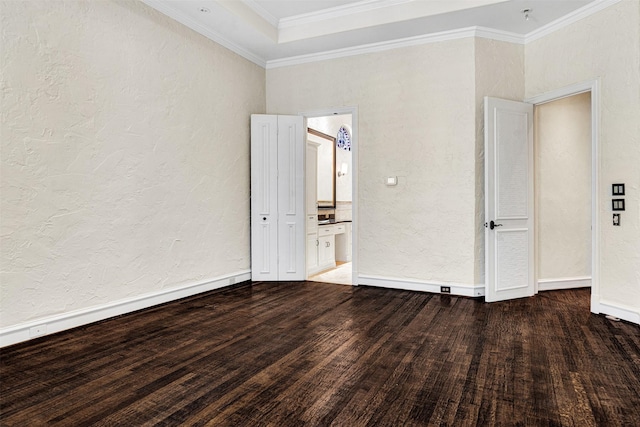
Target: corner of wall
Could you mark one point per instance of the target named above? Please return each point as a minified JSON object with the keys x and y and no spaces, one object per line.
{"x":498,"y":72}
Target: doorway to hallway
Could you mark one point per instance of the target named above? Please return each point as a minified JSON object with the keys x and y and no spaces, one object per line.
{"x":592,"y":88}
{"x":562,"y":146}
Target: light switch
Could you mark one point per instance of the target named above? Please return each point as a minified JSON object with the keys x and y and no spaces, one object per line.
{"x":617,"y":204}
{"x":617,"y":189}
{"x":392,"y":180}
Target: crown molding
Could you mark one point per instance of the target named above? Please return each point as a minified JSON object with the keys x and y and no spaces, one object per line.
{"x":569,"y":19}
{"x":486,"y":33}
{"x":185,"y":19}
{"x":337,"y":12}
{"x":371,"y":48}
{"x":483,"y":32}
{"x":499,"y":35}
{"x":262,"y":12}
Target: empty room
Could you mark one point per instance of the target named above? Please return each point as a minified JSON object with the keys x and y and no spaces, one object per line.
{"x":320,"y":212}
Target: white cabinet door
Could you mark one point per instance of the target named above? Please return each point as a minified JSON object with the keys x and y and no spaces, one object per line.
{"x":277,"y":198}
{"x":343,"y":244}
{"x":331,"y":250}
{"x":312,"y":253}
{"x":509,"y":264}
{"x":326,"y":252}
{"x":323,"y":253}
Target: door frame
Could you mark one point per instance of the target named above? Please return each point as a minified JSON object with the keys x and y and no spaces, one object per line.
{"x":354,"y":176}
{"x":592,"y":86}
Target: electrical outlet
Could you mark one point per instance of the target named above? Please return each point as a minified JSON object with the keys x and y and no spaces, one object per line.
{"x":445,"y":289}
{"x":37,"y":331}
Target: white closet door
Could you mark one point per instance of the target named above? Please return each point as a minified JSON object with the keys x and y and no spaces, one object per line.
{"x":264,"y":197}
{"x":277,"y":198}
{"x":291,"y":200}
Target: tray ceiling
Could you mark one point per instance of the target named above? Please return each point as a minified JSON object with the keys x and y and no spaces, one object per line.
{"x":267,"y":31}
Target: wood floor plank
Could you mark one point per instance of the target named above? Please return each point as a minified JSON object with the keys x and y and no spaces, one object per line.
{"x":307,"y":353}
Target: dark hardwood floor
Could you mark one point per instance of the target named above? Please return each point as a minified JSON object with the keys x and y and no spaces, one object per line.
{"x":294,"y":354}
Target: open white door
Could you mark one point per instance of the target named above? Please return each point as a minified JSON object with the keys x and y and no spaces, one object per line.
{"x":509,"y":238}
{"x":277,"y":198}
{"x":291,"y":201}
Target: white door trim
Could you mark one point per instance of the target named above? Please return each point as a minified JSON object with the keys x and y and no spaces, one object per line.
{"x":592,"y":86}
{"x":354,"y":177}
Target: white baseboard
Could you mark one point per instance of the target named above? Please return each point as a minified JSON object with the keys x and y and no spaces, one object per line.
{"x":616,"y":310}
{"x":60,"y":322}
{"x":564,"y":283}
{"x":460,"y":289}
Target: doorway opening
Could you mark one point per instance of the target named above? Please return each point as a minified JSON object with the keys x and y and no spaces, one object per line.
{"x":580,"y":101}
{"x":562,"y":176}
{"x":332,"y":136}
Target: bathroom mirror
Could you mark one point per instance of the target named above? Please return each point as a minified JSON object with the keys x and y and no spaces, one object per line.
{"x":326,"y":168}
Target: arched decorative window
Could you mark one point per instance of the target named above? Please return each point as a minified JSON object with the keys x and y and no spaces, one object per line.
{"x":343,"y":139}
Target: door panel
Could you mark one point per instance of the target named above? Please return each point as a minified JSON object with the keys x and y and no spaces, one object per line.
{"x":264,"y":198}
{"x":291,"y":200}
{"x":512,"y":153}
{"x":509,"y":254}
{"x":513,"y":268}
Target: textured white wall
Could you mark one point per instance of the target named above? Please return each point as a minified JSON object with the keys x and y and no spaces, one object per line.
{"x":416,"y":112}
{"x":563,"y":187}
{"x":330,"y":125}
{"x":499,"y":73}
{"x":605,"y":45}
{"x":125,"y":155}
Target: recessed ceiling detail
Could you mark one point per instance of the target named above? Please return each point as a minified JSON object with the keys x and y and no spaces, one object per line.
{"x":280,"y":32}
{"x":365,"y":14}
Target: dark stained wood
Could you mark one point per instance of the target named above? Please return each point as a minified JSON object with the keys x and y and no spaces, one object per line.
{"x":293,"y":354}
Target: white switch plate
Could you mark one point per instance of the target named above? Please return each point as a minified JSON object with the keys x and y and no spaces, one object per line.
{"x":392,"y":180}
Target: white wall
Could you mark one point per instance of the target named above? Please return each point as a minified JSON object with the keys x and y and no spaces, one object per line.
{"x":125,"y":156}
{"x":605,"y":46}
{"x":499,"y":73}
{"x":416,"y":112}
{"x":330,"y":125}
{"x":562,"y":140}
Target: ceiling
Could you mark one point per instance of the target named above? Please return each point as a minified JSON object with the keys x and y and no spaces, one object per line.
{"x":272,"y":31}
